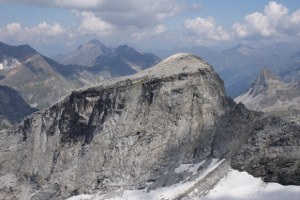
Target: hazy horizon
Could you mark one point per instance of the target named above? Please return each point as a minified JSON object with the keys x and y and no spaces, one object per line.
{"x":54,"y":27}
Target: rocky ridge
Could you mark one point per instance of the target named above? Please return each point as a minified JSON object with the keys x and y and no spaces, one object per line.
{"x":134,"y":132}
{"x":268,"y":93}
{"x":42,"y":81}
{"x":122,"y":60}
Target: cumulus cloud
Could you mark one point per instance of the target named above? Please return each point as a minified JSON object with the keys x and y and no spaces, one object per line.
{"x":274,"y":22}
{"x":86,"y":4}
{"x":158,"y":30}
{"x":88,"y":23}
{"x":118,"y":12}
{"x":35,"y":34}
{"x":12,"y":29}
{"x":206,"y":29}
{"x":146,"y":21}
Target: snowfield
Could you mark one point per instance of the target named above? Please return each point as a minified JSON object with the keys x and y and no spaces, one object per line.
{"x":235,"y":186}
{"x":242,"y":186}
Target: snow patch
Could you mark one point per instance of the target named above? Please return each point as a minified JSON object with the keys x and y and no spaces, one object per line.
{"x":188,"y":168}
{"x":240,"y":185}
{"x":171,"y":192}
{"x":9,"y":63}
{"x":235,"y":186}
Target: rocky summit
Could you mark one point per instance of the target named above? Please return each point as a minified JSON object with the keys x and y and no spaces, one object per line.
{"x":141,"y":132}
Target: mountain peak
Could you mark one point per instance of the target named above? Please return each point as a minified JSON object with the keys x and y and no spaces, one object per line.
{"x":267,"y":74}
{"x":95,"y":42}
{"x":182,"y":56}
{"x":92,"y":44}
{"x":125,"y":48}
{"x":242,"y":49}
{"x":263,"y":81}
{"x":20,"y":52}
{"x":177,"y":64}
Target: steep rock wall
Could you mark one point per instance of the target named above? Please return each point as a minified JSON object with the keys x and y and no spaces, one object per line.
{"x":124,"y":133}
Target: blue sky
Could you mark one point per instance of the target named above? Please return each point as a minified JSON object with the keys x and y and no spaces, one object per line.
{"x":61,"y":25}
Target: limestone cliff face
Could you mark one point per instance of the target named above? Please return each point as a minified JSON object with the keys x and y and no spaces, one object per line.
{"x":128,"y":133}
{"x":123,"y":133}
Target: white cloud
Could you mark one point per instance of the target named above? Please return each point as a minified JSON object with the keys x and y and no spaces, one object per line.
{"x":121,"y":13}
{"x":42,"y":32}
{"x":295,"y":17}
{"x":13,"y":28}
{"x":274,"y":11}
{"x":145,"y":22}
{"x":275,"y":22}
{"x":89,"y":23}
{"x":77,"y":4}
{"x":206,"y":28}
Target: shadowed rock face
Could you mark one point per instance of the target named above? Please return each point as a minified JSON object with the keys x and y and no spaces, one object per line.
{"x":12,"y":107}
{"x":127,"y":133}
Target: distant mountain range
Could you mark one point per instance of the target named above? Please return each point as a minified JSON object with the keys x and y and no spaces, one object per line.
{"x":123,"y":60}
{"x":41,"y":81}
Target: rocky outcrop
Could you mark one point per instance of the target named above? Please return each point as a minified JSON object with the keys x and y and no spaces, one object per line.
{"x":130,"y":133}
{"x":272,"y":151}
{"x":270,"y":94}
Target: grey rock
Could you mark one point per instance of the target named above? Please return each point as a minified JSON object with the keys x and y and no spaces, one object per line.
{"x":134,"y":131}
{"x":272,"y":151}
{"x":122,"y":133}
{"x":270,"y":94}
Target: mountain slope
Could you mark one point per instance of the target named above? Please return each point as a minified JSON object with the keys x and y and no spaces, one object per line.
{"x":123,"y":60}
{"x":86,"y":55}
{"x":39,"y":84}
{"x":171,"y":125}
{"x":269,"y":94}
{"x":42,"y":81}
{"x":12,"y":107}
{"x":20,"y":53}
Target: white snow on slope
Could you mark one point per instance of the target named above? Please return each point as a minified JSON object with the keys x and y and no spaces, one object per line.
{"x":242,"y":186}
{"x":165,"y":193}
{"x":189,"y":167}
{"x":9,"y":63}
{"x":235,"y":186}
